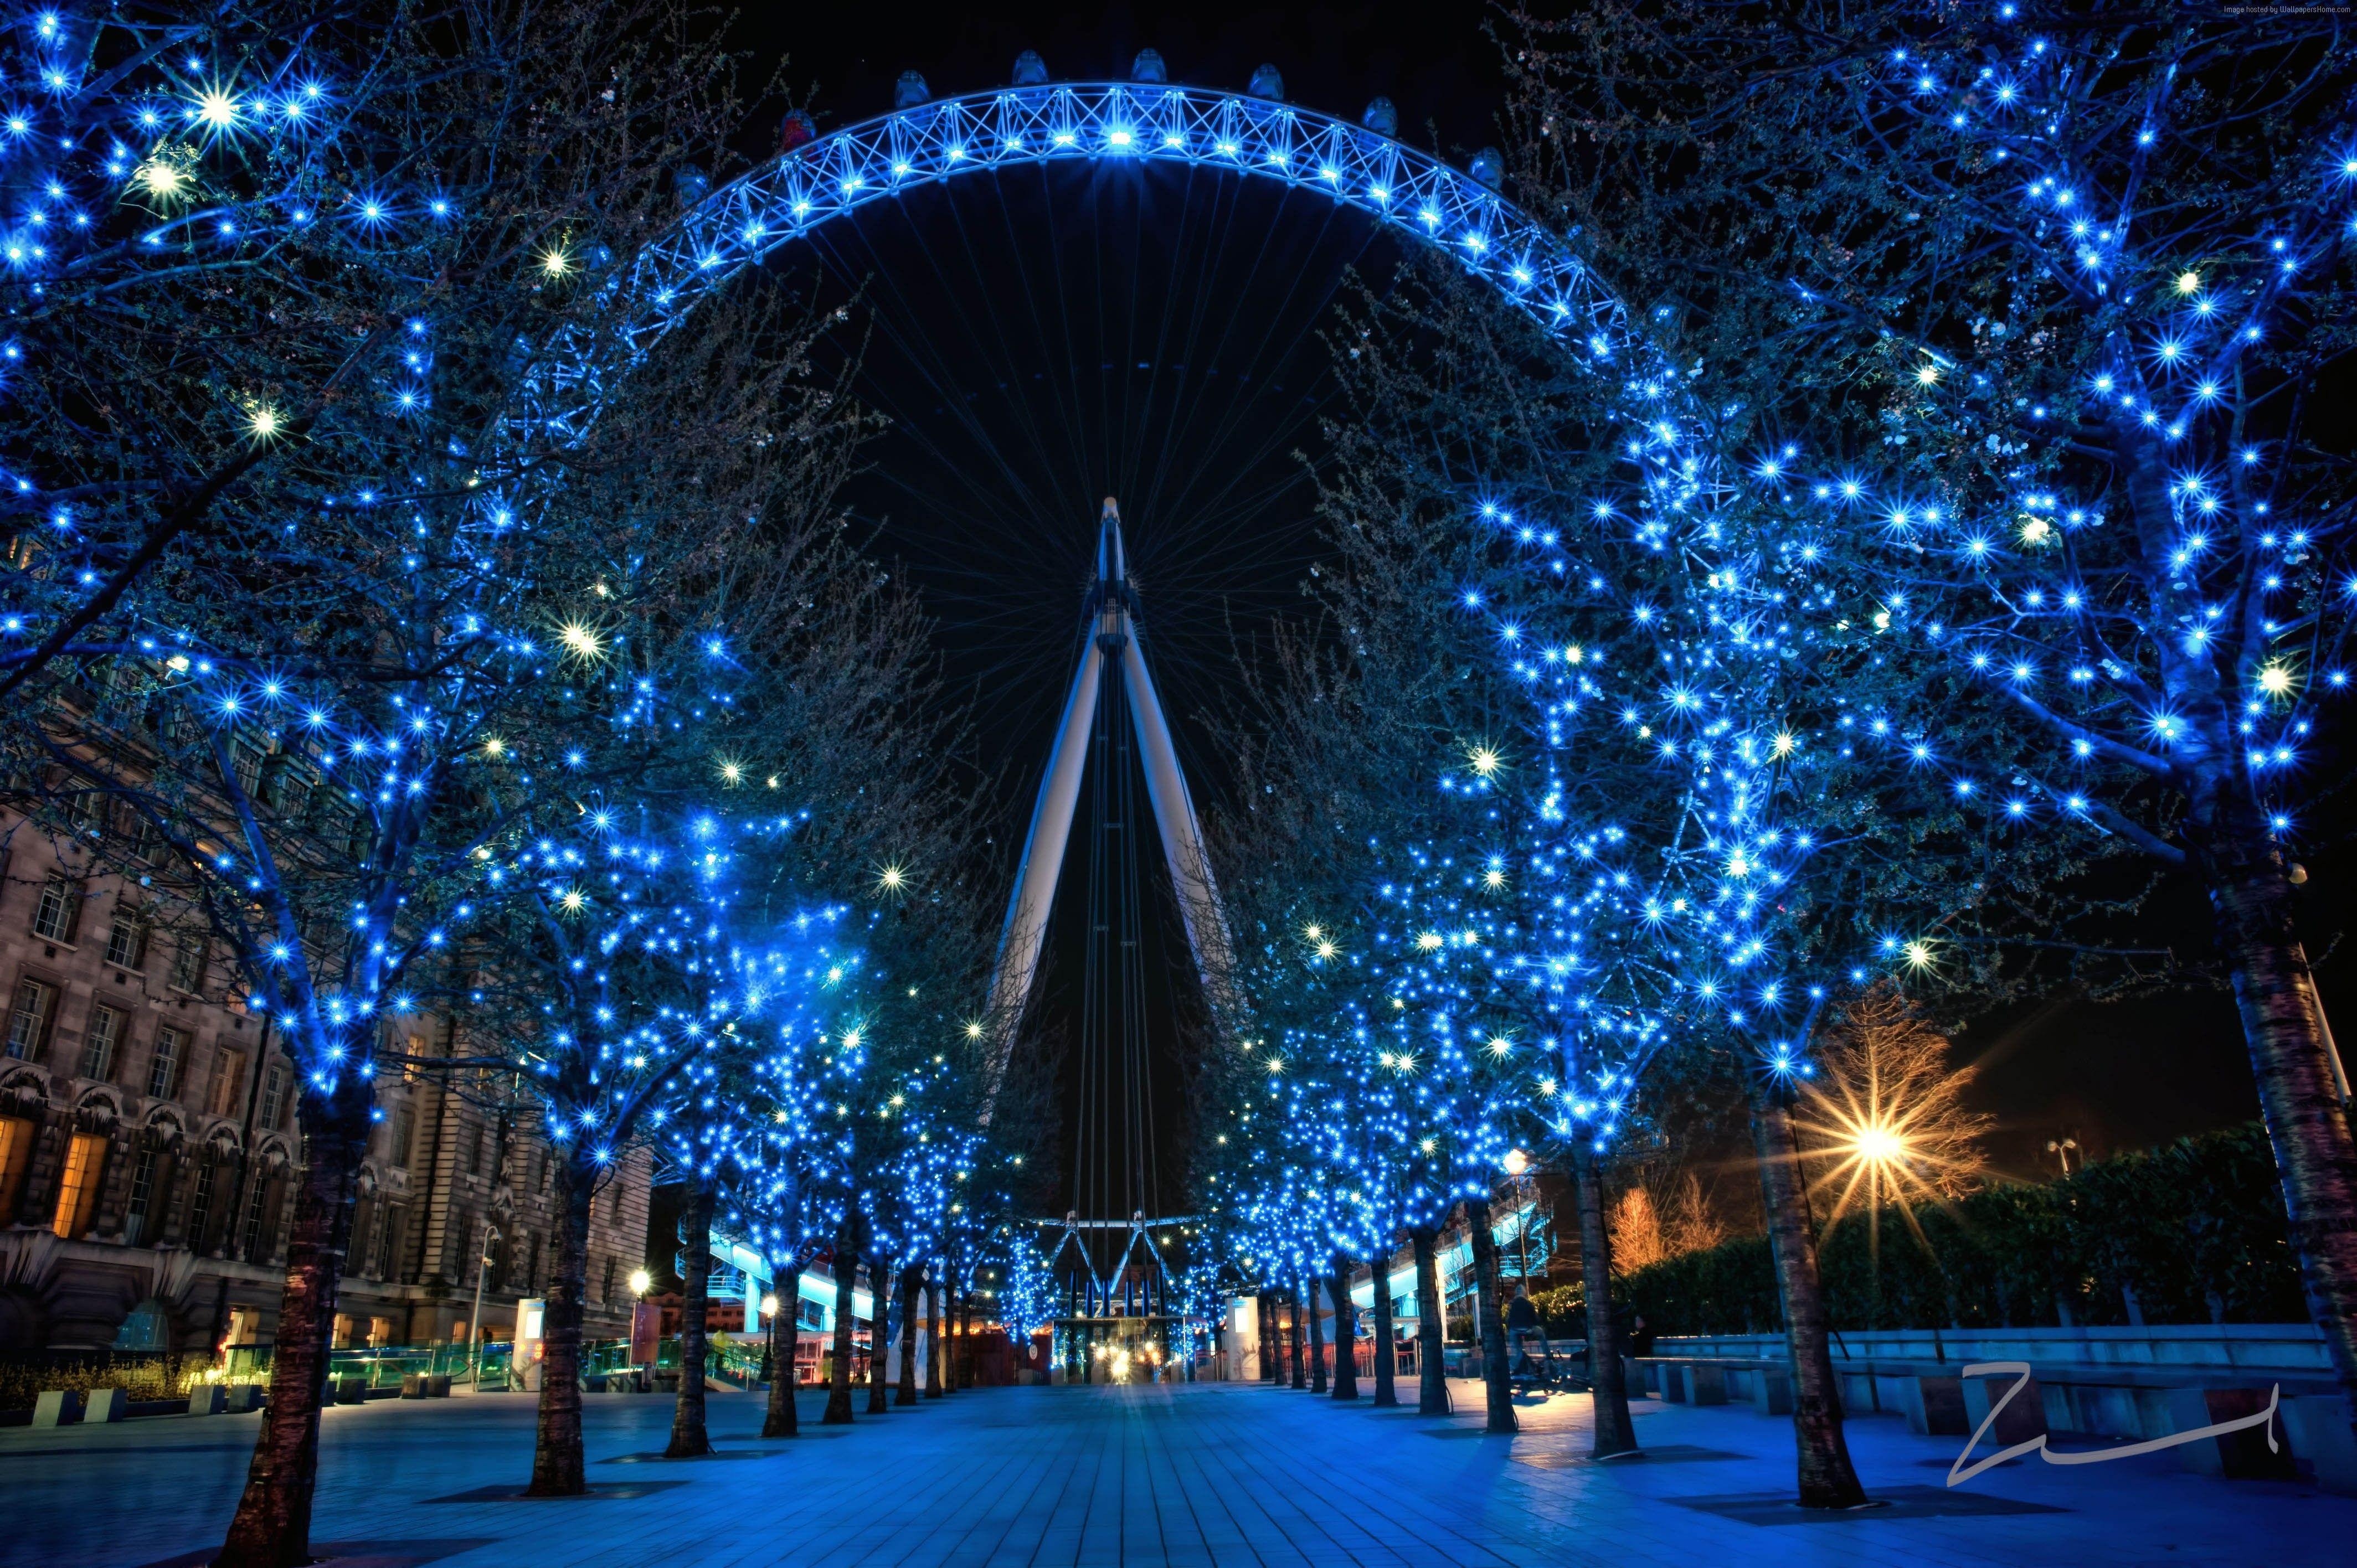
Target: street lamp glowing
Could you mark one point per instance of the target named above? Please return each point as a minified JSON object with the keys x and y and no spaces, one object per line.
{"x":1516,"y":1162}
{"x":769,"y":1306}
{"x":641,"y":1281}
{"x":1879,"y":1145}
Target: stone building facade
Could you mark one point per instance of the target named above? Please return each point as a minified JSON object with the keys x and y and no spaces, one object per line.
{"x":148,"y":1151}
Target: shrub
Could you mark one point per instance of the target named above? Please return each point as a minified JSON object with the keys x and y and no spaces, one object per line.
{"x":2192,"y":1233}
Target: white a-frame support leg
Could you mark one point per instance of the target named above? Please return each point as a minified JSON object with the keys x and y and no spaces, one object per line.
{"x":1111,"y":634}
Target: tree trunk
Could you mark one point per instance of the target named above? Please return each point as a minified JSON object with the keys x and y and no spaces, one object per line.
{"x":1615,"y":1433}
{"x":1346,"y":1331}
{"x":1271,"y":1360}
{"x":952,"y":1342}
{"x":912,"y":1280}
{"x":1495,"y":1382}
{"x":1432,"y":1385}
{"x":2316,"y":1160}
{"x":1827,"y":1480}
{"x":933,"y":1330}
{"x":1386,"y":1347}
{"x":785,"y":1343}
{"x":846,"y":1275}
{"x":688,"y":1437}
{"x":968,"y":1371}
{"x":879,"y":1288}
{"x":1316,"y":1337}
{"x":272,"y":1528}
{"x":1295,"y":1334}
{"x":557,"y":1462}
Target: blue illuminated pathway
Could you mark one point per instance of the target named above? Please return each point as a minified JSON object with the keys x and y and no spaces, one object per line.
{"x":1201,"y":1474}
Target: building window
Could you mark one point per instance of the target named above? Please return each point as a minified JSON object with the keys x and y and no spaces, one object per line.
{"x":229,"y":1076}
{"x":288,"y":786}
{"x":188,"y":964}
{"x":258,"y":1199}
{"x":274,"y":1094}
{"x":16,"y":1133}
{"x":606,"y":1290}
{"x":101,"y":1041}
{"x":28,"y":1020}
{"x":126,"y":941}
{"x":200,"y":1203}
{"x":142,"y":1194}
{"x":404,"y":1130}
{"x":164,"y":1072}
{"x":245,"y":763}
{"x":59,"y":912}
{"x":365,"y":1221}
{"x":387,"y":1240}
{"x":77,"y":1189}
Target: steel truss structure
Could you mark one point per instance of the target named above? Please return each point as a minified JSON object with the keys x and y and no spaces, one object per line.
{"x":743,"y":223}
{"x":1110,"y":647}
{"x":1115,"y":1313}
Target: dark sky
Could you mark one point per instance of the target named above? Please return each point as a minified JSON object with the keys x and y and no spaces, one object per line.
{"x":1044,"y":336}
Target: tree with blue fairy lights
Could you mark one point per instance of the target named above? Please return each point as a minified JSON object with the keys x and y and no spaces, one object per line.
{"x":292,"y":621}
{"x":2030,"y":359}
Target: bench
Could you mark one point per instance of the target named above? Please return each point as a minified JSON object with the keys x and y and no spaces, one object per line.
{"x":1766,"y":1385}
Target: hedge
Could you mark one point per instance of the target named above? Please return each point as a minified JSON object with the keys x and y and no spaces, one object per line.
{"x":2192,"y":1233}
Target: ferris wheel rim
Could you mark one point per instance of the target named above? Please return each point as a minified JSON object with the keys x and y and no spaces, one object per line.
{"x":1404,"y":190}
{"x":1398,"y":185}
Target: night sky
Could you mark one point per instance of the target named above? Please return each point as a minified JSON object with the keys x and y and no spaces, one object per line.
{"x":1044,"y":337}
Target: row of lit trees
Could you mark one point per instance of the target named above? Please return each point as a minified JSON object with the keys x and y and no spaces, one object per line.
{"x":583,"y":733}
{"x":1967,"y":532}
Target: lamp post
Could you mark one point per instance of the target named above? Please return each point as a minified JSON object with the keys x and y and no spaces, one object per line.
{"x":2062,"y":1149}
{"x":475,"y":1324}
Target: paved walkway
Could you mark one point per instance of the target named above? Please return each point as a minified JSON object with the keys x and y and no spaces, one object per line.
{"x":1202,"y":1475}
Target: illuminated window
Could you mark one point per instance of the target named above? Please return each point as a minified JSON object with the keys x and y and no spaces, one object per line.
{"x":229,"y":1077}
{"x":28,"y":1019}
{"x":16,"y":1158}
{"x":59,"y":911}
{"x":164,"y":1071}
{"x":101,"y":1041}
{"x":77,"y":1189}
